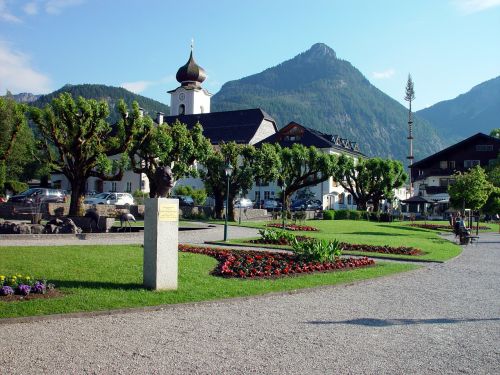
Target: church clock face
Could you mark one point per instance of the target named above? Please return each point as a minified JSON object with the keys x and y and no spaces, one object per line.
{"x":182,"y":96}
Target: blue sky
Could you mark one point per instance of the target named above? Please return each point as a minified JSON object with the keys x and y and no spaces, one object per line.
{"x":448,"y":46}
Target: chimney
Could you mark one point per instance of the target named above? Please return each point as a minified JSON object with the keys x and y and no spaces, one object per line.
{"x":159,"y":117}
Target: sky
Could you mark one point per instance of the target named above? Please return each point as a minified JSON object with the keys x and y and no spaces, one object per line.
{"x":448,"y":46}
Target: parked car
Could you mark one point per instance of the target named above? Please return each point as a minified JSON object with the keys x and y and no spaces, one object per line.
{"x":185,"y":200}
{"x":272,"y":205}
{"x":39,"y":195}
{"x":243,"y":203}
{"x":122,"y":199}
{"x":306,"y":204}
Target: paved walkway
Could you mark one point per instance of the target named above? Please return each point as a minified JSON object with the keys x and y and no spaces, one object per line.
{"x":441,"y":319}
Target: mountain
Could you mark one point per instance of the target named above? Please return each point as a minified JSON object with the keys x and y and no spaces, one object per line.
{"x":109,"y":93}
{"x":323,"y":92}
{"x":475,"y":111}
{"x":25,"y":97}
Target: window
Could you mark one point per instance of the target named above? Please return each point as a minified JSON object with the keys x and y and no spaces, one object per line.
{"x":267,"y":195}
{"x":129,"y":187}
{"x":451,"y":164}
{"x":113,"y":186}
{"x":484,"y":147}
{"x":257,"y":196}
{"x":443,"y":182}
{"x":471,"y":163}
{"x":349,"y":199}
{"x":341,"y":198}
{"x":182,"y":109}
{"x":443,"y":164}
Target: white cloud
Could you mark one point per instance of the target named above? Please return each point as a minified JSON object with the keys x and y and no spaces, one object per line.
{"x":139,"y":86}
{"x":386,"y":74}
{"x":136,"y":87}
{"x":31,"y":8}
{"x":56,"y":6}
{"x":6,"y":15}
{"x":16,"y":74}
{"x":473,"y":6}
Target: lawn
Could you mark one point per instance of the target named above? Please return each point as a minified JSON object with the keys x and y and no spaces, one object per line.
{"x":374,"y":233}
{"x":96,"y":278}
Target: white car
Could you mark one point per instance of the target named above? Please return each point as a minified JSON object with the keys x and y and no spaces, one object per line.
{"x":122,"y":199}
{"x":243,"y":203}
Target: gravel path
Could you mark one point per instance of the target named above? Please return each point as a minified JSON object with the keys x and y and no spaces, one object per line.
{"x":442,"y":319}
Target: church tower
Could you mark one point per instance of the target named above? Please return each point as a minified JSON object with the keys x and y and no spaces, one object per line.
{"x":190,"y":98}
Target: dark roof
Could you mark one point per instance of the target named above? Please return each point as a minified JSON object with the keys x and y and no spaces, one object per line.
{"x":312,"y":137}
{"x":238,"y":126}
{"x":456,"y":147}
{"x":416,"y":199}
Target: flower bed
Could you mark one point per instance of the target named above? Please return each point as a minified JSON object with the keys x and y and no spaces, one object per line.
{"x":402,"y":250}
{"x":294,"y":227}
{"x":440,"y":226}
{"x":19,"y":286}
{"x":253,"y":264}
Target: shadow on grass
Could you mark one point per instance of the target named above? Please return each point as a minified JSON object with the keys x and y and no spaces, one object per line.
{"x":408,"y":228}
{"x":371,"y":322}
{"x":75,"y":284}
{"x":385,"y":234}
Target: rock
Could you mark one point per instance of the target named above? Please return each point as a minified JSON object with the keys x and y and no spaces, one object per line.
{"x":37,"y":229}
{"x":24,"y":229}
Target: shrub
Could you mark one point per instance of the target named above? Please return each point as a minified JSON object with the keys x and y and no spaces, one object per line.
{"x":374,"y":216}
{"x":385,"y":217}
{"x":342,"y":215}
{"x":199,"y":195}
{"x":357,"y":215}
{"x":328,"y":215}
{"x":16,"y":186}
{"x":139,"y":196}
{"x":274,"y":235}
{"x":317,"y":250}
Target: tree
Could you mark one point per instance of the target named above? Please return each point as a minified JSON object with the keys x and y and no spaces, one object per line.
{"x":470,"y":190}
{"x":164,"y":145}
{"x":79,"y":141}
{"x":369,"y":179}
{"x":495,"y":133}
{"x":241,"y":157}
{"x":17,"y":145}
{"x":299,"y":167}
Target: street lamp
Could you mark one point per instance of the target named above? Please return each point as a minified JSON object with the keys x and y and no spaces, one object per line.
{"x":283,"y":188}
{"x":239,"y":217}
{"x":229,"y":171}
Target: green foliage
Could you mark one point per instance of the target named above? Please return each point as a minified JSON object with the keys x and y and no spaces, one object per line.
{"x":78,"y":140}
{"x":16,"y":186}
{"x":369,"y":179}
{"x":112,"y":95}
{"x":492,"y":205}
{"x":328,"y":214}
{"x":199,"y":195}
{"x":470,"y":190}
{"x":268,"y":234}
{"x":328,"y":94}
{"x":242,"y":159}
{"x":17,"y":144}
{"x":342,"y":215}
{"x":317,"y":250}
{"x":495,"y":133}
{"x":165,"y":145}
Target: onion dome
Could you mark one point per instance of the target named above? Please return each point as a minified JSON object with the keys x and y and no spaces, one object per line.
{"x":191,"y":74}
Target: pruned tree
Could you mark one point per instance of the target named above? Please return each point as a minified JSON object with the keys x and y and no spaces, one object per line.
{"x":369,"y":179}
{"x":241,"y":157}
{"x":80,"y":142}
{"x":471,"y":189}
{"x":17,"y":144}
{"x":298,"y":167}
{"x":174,"y":146}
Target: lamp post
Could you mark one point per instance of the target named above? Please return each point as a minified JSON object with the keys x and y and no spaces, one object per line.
{"x":283,"y":188}
{"x":229,"y":171}
{"x":239,"y":216}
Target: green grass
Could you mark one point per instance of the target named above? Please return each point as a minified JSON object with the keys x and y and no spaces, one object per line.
{"x":96,"y":278}
{"x":375,"y":233}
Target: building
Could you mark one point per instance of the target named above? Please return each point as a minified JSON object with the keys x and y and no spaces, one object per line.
{"x":432,"y":176}
{"x":332,"y":195}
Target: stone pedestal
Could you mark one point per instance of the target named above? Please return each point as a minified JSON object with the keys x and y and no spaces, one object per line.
{"x":161,"y":239}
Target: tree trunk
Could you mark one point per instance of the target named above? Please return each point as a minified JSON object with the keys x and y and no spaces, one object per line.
{"x":361,"y":204}
{"x":77,"y":196}
{"x":219,"y":205}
